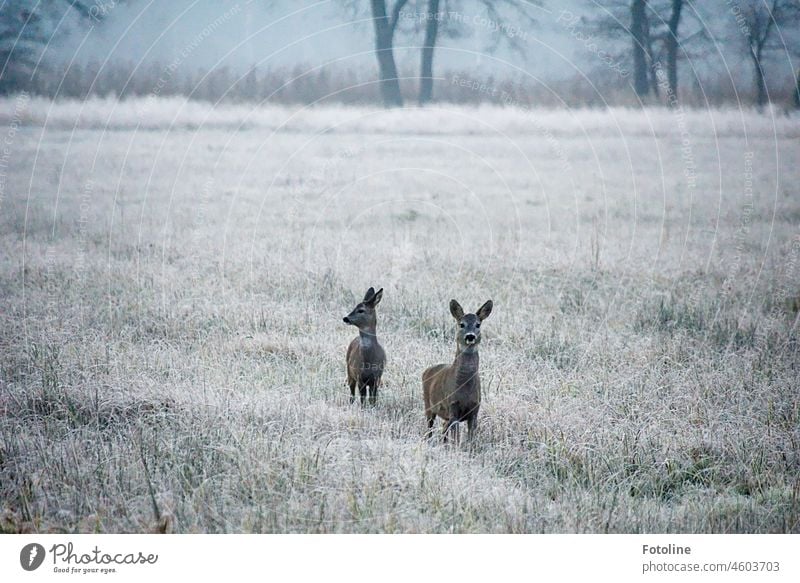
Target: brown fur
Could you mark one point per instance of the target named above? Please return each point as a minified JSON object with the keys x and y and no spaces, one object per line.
{"x":454,"y":392}
{"x":365,"y":356}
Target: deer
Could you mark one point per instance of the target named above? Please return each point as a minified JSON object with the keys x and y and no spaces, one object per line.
{"x":365,"y":356}
{"x":454,"y":392}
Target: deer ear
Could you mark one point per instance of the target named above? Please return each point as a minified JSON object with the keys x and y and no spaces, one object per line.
{"x":484,"y":311}
{"x":456,"y":310}
{"x":376,"y":299}
{"x":368,"y":295}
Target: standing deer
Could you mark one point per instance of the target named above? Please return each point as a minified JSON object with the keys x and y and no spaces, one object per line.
{"x":365,"y":357}
{"x":454,"y":392}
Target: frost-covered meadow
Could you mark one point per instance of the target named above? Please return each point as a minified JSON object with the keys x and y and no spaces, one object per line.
{"x":174,"y":276}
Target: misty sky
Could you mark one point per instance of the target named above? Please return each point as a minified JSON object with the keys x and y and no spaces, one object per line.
{"x":285,"y":34}
{"x":279,"y":34}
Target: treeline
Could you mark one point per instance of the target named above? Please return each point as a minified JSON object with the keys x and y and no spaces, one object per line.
{"x":652,"y":52}
{"x":306,"y":85}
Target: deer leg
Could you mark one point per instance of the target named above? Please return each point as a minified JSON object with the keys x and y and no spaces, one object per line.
{"x":431,"y":419}
{"x":453,"y":421}
{"x":373,"y":391}
{"x":362,"y":389}
{"x":472,"y":425}
{"x":451,"y":425}
{"x":453,"y":429}
{"x":352,"y":384}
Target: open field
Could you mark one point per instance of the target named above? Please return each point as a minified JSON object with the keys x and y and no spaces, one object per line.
{"x":173,"y":281}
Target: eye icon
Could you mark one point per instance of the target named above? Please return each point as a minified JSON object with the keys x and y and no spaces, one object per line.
{"x":31,"y":556}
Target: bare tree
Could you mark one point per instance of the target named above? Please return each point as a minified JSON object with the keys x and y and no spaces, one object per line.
{"x":385,"y":26}
{"x":758,"y":21}
{"x":671,"y":44}
{"x":674,"y":43}
{"x":645,"y":78}
{"x":25,"y":30}
{"x":797,"y":89}
{"x":504,"y":18}
{"x":640,"y":37}
{"x":629,"y":21}
{"x":440,"y":18}
{"x":656,"y":35}
{"x":433,"y":16}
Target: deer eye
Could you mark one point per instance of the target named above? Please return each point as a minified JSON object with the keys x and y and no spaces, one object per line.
{"x":463,"y":325}
{"x":477,"y":325}
{"x":360,"y":310}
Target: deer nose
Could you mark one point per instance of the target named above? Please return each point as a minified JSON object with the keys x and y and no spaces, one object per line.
{"x":469,"y":337}
{"x":346,"y":320}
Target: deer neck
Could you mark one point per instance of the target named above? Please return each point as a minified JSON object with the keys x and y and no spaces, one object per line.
{"x":466,"y":365}
{"x":367,"y":339}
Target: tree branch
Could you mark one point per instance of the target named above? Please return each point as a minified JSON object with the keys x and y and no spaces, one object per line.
{"x":80,"y":8}
{"x":395,"y":18}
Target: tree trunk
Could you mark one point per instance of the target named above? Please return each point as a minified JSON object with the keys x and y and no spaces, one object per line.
{"x":426,"y":67}
{"x":672,"y":52}
{"x":384,"y":38}
{"x":761,"y":88}
{"x":651,"y":67}
{"x":641,"y":81}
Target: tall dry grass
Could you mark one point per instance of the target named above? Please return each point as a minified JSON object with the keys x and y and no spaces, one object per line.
{"x":173,"y":352}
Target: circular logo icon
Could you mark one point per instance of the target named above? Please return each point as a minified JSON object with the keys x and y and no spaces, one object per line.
{"x":31,"y":556}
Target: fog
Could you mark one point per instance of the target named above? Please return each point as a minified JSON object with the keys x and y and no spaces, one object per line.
{"x":564,"y":50}
{"x":307,"y":33}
